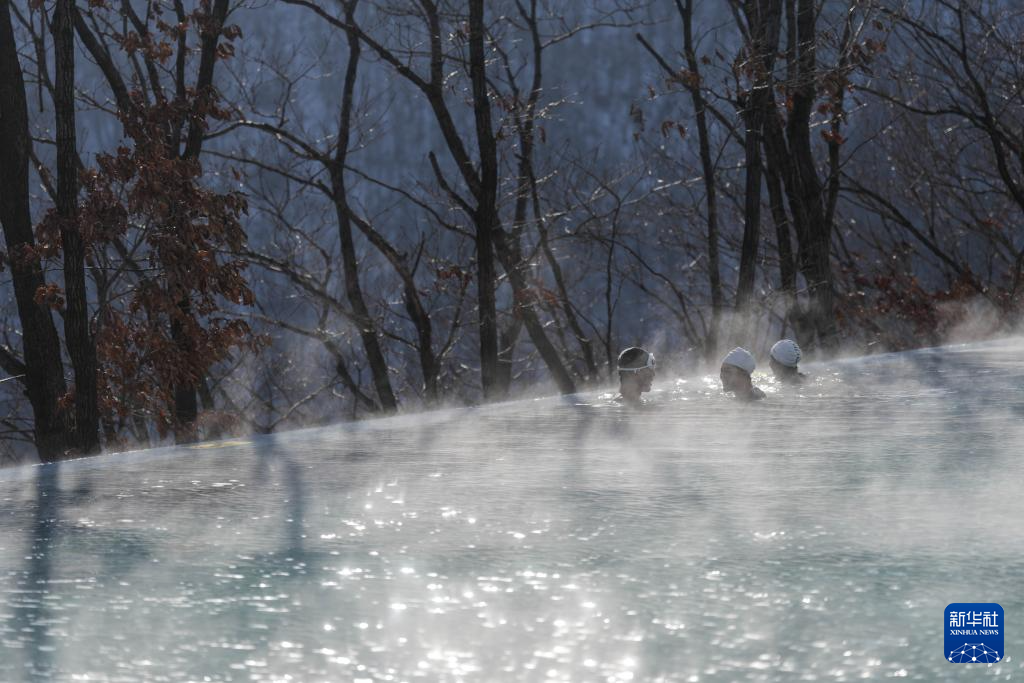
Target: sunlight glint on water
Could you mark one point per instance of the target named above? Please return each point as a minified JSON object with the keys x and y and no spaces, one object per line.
{"x":814,"y":536}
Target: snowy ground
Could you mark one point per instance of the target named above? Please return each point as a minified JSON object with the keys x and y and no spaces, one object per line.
{"x":817,"y":535}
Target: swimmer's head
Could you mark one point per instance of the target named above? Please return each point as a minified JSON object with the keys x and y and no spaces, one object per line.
{"x":737,"y":366}
{"x":784,"y":358}
{"x":636,"y":372}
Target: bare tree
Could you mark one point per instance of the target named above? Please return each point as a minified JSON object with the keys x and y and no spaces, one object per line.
{"x":78,"y":336}
{"x":40,"y":369}
{"x":965,"y":76}
{"x":481,"y":178}
{"x":691,"y":79}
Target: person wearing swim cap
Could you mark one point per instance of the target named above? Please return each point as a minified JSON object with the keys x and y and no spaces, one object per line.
{"x":784,"y":359}
{"x":737,"y":367}
{"x":636,"y":372}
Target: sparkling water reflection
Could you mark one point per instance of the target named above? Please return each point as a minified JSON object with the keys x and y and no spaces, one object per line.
{"x":816,"y":535}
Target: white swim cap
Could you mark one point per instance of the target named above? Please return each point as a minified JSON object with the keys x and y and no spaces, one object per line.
{"x":629,"y":360}
{"x":786,"y":352}
{"x":740,"y":358}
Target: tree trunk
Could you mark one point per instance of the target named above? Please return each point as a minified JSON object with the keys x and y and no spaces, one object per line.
{"x":751,"y":221}
{"x":794,"y":164}
{"x":816,"y":234}
{"x":784,"y":246}
{"x":420,"y":318}
{"x":424,"y":344}
{"x":764,"y":24}
{"x":186,"y":403}
{"x":44,"y":374}
{"x":509,"y":245}
{"x":528,"y":191}
{"x":586,"y":345}
{"x":506,"y":351}
{"x":76,"y":318}
{"x":486,"y":213}
{"x":708,"y":170}
{"x":353,"y":289}
{"x":354,"y":293}
{"x":523,"y":302}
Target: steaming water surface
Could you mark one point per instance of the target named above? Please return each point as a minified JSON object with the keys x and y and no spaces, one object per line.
{"x":816,"y":535}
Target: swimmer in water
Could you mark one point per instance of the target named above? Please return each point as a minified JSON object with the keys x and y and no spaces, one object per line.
{"x":737,"y":366}
{"x":784,"y":359}
{"x":636,"y":372}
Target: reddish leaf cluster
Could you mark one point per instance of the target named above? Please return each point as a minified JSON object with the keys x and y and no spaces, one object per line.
{"x":833,"y":136}
{"x":452,"y":273}
{"x":50,"y":295}
{"x":685,"y":78}
{"x":535,"y":293}
{"x":668,"y":126}
{"x":893,"y":302}
{"x":168,"y":326}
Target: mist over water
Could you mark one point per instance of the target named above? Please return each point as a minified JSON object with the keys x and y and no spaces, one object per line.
{"x":815,"y":535}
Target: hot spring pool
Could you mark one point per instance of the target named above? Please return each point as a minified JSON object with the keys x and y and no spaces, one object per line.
{"x":816,"y":535}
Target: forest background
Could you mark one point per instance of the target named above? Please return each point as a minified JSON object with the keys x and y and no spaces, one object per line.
{"x":237,"y":216}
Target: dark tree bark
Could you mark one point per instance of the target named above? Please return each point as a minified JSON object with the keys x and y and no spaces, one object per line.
{"x":41,"y":366}
{"x":186,"y":403}
{"x":783,"y":243}
{"x":525,"y":307}
{"x":508,"y":337}
{"x":353,"y":289}
{"x":753,"y":64}
{"x":764,"y":20}
{"x":776,"y":195}
{"x":708,"y":170}
{"x":813,"y":230}
{"x":790,"y":157}
{"x":508,"y":244}
{"x":77,"y":334}
{"x":751,"y":217}
{"x":585,"y":342}
{"x":430,"y":364}
{"x":486,"y":212}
